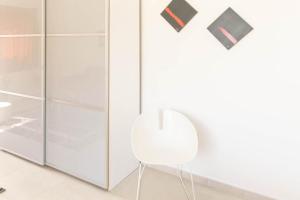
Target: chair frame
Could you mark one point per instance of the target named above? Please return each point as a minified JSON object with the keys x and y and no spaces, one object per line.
{"x":179,"y":170}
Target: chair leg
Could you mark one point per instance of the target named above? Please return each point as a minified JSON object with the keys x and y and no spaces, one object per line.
{"x":141,"y":171}
{"x":193,"y":186}
{"x":179,"y":174}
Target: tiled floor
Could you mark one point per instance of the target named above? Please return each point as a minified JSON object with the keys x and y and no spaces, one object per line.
{"x":26,"y":181}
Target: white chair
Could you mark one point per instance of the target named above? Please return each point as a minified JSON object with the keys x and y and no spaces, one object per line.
{"x":164,"y":138}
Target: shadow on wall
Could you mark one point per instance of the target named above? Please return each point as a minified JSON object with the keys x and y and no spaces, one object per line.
{"x":203,"y":135}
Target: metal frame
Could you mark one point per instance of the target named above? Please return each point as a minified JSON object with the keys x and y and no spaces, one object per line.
{"x":141,"y":170}
{"x":180,"y":176}
{"x":107,"y":91}
{"x":44,"y":87}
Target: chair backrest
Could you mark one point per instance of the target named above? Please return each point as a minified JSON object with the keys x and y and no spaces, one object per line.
{"x":164,"y":138}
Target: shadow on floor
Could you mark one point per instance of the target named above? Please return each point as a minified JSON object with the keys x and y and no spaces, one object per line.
{"x":157,"y":185}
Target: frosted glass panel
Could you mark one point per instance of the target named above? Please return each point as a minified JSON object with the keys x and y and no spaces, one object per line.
{"x":21,"y":17}
{"x":22,"y":78}
{"x":21,"y":126}
{"x":76,"y":141}
{"x":76,"y":89}
{"x":76,"y":70}
{"x":76,"y":16}
{"x":21,"y":65}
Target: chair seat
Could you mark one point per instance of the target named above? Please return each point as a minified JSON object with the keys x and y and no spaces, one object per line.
{"x":164,"y":139}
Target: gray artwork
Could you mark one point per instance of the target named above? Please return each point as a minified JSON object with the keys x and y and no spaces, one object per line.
{"x":230,"y":28}
{"x":178,"y":13}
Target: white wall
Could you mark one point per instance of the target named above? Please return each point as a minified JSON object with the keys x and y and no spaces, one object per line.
{"x":244,"y":102}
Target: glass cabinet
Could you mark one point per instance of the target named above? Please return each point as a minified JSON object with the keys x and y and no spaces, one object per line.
{"x":70,"y":85}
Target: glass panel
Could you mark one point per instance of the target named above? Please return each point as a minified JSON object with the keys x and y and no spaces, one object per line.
{"x":21,"y":17}
{"x":76,"y":16}
{"x":76,"y":70}
{"x":21,"y":126}
{"x":22,"y":78}
{"x":76,"y":89}
{"x":21,"y":65}
{"x":76,"y":141}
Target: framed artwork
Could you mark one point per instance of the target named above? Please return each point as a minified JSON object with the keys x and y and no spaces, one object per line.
{"x":178,"y":14}
{"x":230,"y":28}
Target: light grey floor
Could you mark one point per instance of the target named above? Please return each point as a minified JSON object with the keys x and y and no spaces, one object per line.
{"x":26,"y":181}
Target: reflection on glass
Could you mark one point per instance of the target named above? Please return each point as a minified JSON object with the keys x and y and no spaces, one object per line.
{"x":21,"y":50}
{"x":15,"y":122}
{"x":17,"y":50}
{"x":4,"y":104}
{"x":18,"y":20}
{"x":21,"y":65}
{"x":22,"y":78}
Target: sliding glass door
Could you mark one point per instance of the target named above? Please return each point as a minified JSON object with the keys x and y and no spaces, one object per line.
{"x":22,"y":73}
{"x":53,"y":84}
{"x":77,"y":89}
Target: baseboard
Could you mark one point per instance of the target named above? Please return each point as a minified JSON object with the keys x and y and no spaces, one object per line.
{"x":216,"y":185}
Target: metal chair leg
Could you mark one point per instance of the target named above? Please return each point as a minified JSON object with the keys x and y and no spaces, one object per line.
{"x":193,"y":186}
{"x":179,"y":174}
{"x":141,"y":171}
